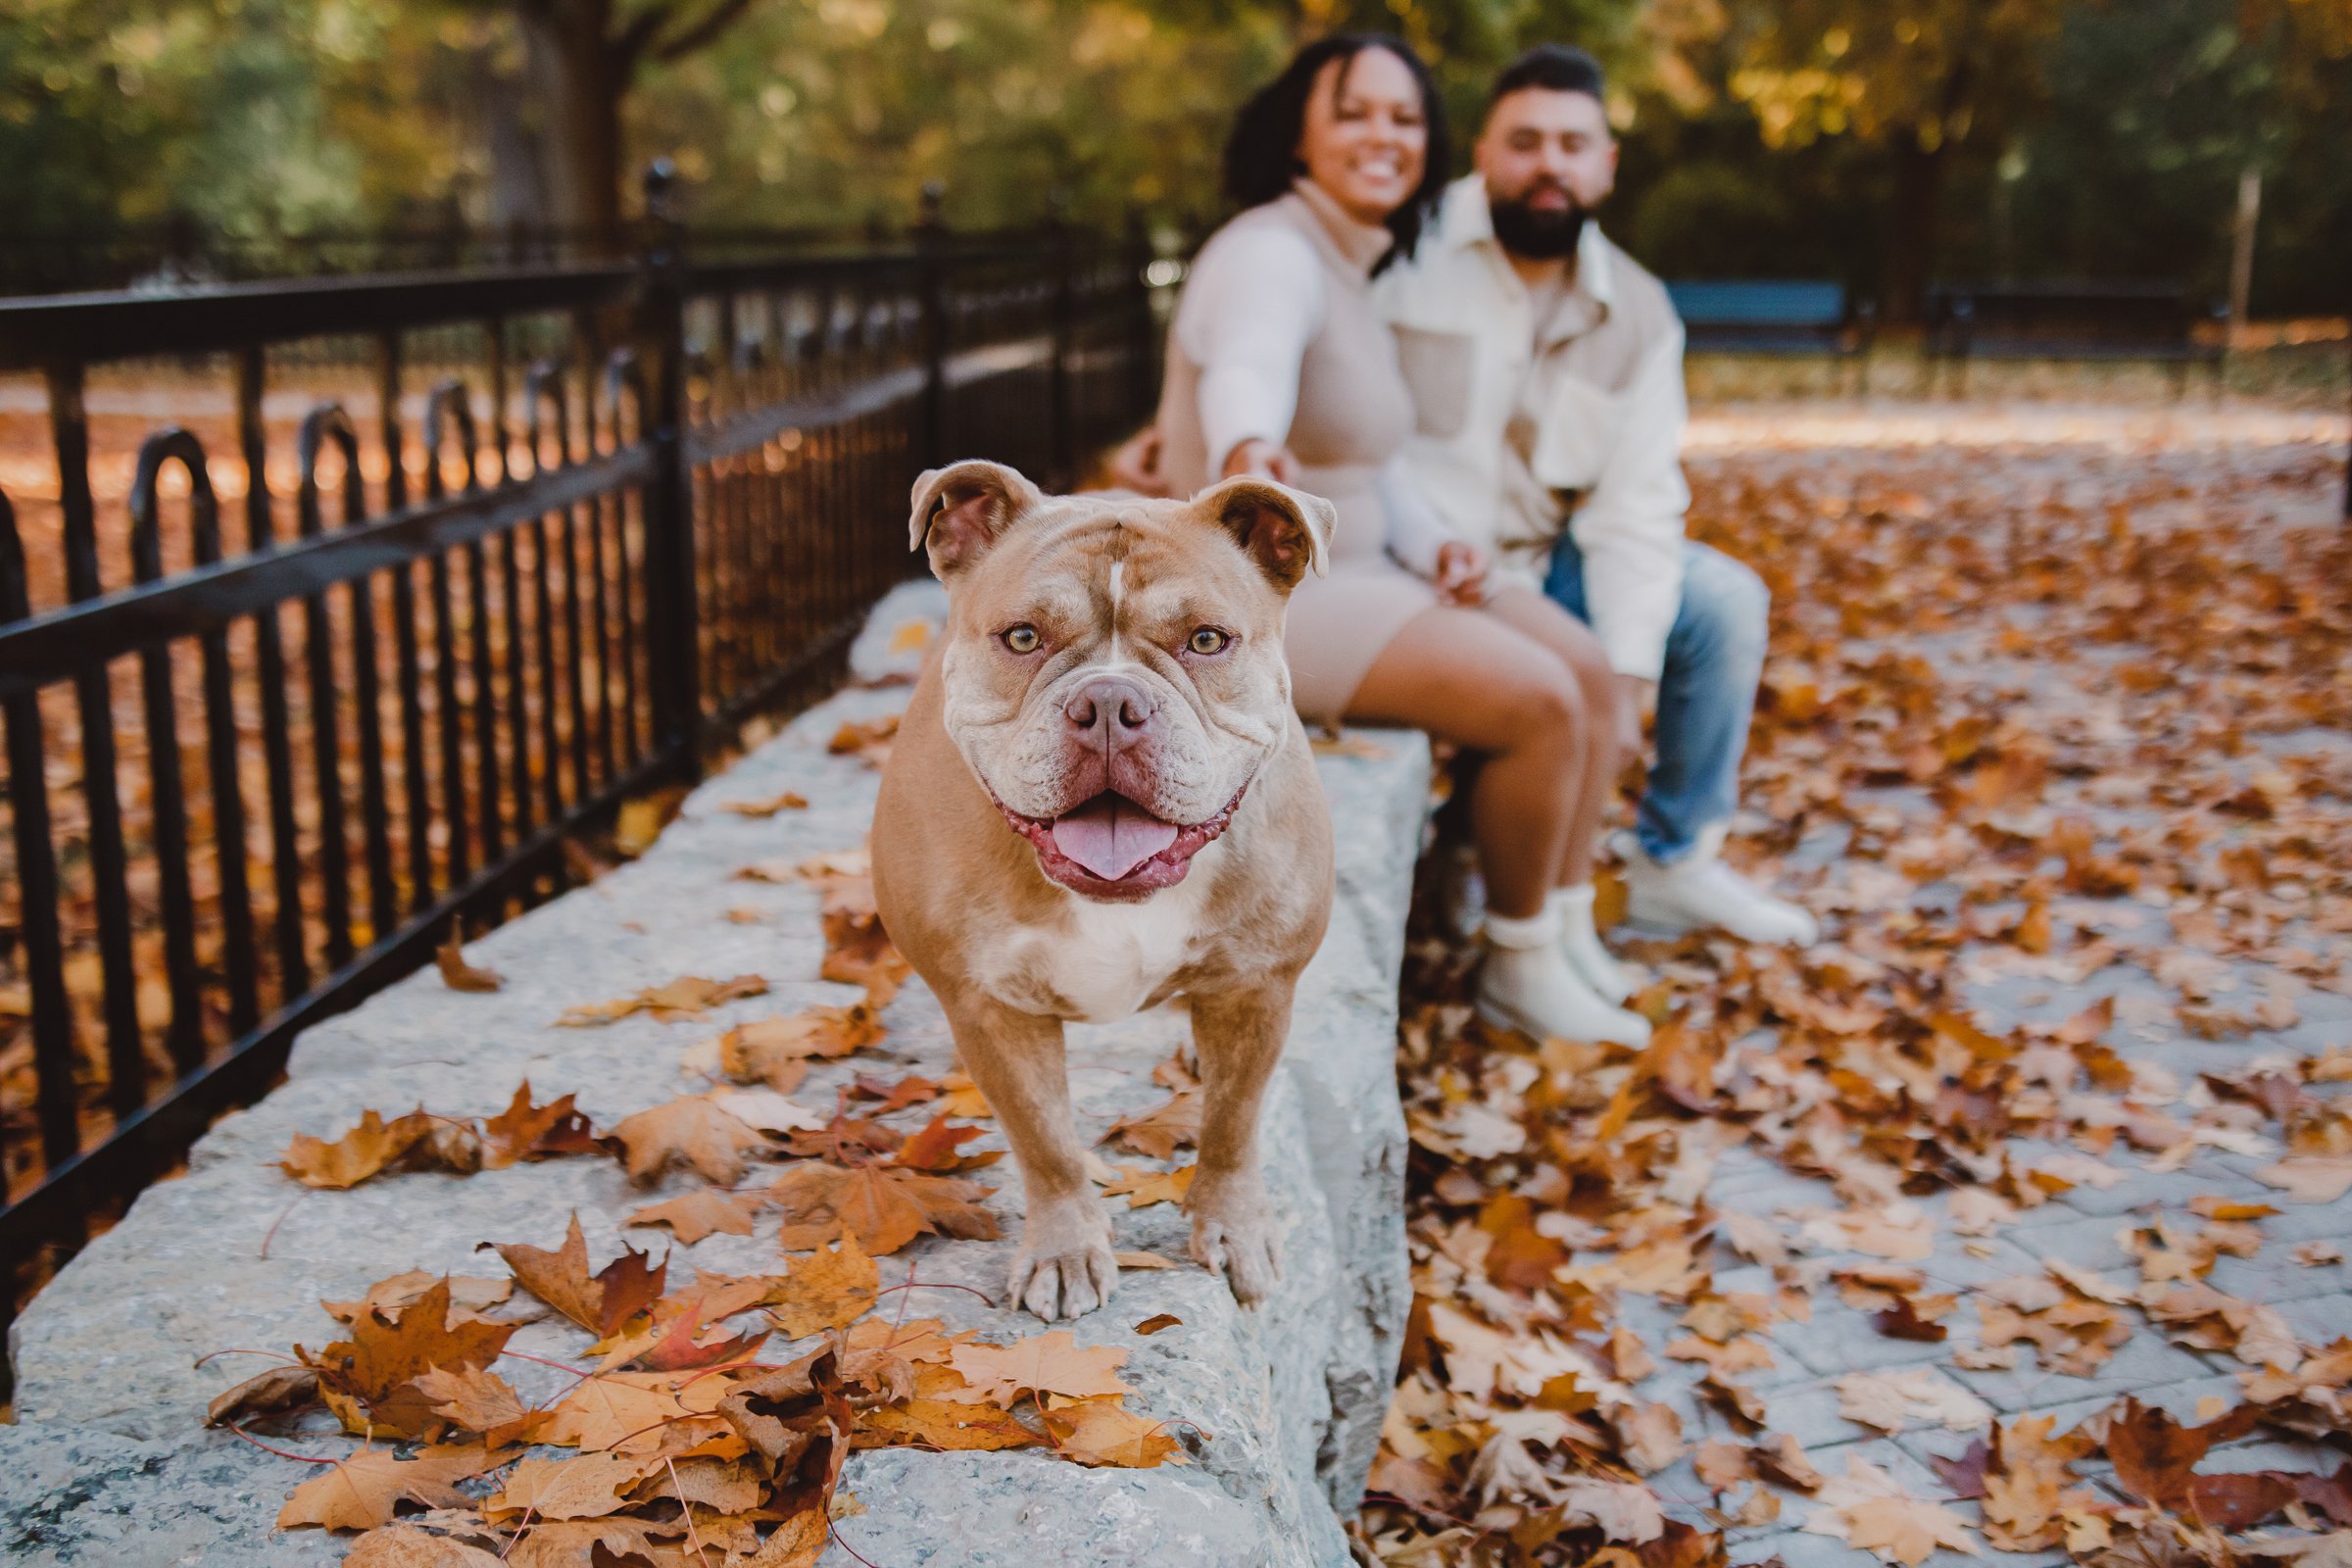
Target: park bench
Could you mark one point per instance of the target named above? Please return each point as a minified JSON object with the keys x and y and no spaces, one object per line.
{"x":1753,"y":315}
{"x":2082,"y":322}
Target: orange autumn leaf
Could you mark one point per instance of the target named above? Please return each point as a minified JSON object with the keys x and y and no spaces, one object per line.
{"x":827,"y":1289}
{"x":700,"y":1213}
{"x":694,"y":1131}
{"x":883,"y":1206}
{"x":688,"y":996}
{"x":599,"y":1303}
{"x":458,"y":974}
{"x":1102,"y":1431}
{"x":361,"y":1492}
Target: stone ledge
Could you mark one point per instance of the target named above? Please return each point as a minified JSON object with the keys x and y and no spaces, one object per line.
{"x":111,"y":1463}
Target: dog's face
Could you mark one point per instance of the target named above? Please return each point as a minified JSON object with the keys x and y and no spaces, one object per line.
{"x":1113,"y":670}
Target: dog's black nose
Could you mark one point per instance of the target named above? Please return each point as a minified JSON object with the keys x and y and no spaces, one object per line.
{"x":1112,"y":708}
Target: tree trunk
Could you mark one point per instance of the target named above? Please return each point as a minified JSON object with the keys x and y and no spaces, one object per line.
{"x":1911,"y":242}
{"x":580,"y":80}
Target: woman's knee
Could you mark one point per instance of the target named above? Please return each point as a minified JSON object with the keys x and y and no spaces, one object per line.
{"x":1545,"y":700}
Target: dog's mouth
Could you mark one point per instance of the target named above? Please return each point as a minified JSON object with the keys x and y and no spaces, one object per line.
{"x":1110,"y":848}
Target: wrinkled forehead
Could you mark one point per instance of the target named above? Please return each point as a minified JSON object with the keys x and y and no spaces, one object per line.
{"x":1131,"y":561}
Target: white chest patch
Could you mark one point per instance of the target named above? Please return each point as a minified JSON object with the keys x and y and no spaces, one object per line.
{"x":1103,"y":961}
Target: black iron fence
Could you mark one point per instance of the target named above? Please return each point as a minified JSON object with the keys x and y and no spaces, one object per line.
{"x":330,"y":662}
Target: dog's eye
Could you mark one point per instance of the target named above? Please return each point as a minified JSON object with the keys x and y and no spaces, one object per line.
{"x":1208,"y":640}
{"x":1022,"y":639}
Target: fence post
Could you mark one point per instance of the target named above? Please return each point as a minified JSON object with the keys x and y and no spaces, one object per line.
{"x":930,"y":244}
{"x":1062,"y":436}
{"x":673,"y":639}
{"x":1143,"y":387}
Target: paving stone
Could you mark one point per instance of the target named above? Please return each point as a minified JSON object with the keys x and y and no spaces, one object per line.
{"x":2144,"y":1360}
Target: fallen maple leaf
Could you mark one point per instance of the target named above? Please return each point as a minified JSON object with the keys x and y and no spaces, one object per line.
{"x":1051,"y":1362}
{"x":280,"y":1388}
{"x":600,"y":1302}
{"x":1159,"y":1132}
{"x":1895,"y":1400}
{"x":777,"y":1050}
{"x":883,"y":1206}
{"x":368,"y":1381}
{"x":588,"y":1486}
{"x":358,"y":1154}
{"x":688,"y":996}
{"x":694,"y":1131}
{"x":413,"y":1543}
{"x":787,"y":800}
{"x":1143,"y":1188}
{"x":458,"y":974}
{"x":933,"y":1148}
{"x":857,"y":950}
{"x":1869,"y":1512}
{"x":870,"y":738}
{"x":943,"y":1424}
{"x":476,"y":1400}
{"x":700,"y":1213}
{"x":1102,"y":1431}
{"x":359,"y":1493}
{"x":524,"y":1131}
{"x":1157,"y":1321}
{"x":2310,"y":1178}
{"x":827,"y":1289}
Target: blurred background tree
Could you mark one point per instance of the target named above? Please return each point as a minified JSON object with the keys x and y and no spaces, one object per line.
{"x":1884,"y":142}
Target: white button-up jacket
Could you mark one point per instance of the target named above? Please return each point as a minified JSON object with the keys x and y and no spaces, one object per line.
{"x":1522,"y":433}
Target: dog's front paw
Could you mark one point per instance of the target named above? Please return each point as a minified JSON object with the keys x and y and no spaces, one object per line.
{"x":1066,"y":1266}
{"x":1233,"y":1234}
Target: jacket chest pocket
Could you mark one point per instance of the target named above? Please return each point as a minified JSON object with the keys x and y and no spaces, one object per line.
{"x":1438,"y":369}
{"x":1580,"y":425}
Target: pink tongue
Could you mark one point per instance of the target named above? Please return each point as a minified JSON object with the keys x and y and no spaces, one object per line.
{"x":1110,"y":836}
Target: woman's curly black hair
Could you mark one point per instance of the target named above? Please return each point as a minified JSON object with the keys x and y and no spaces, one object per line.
{"x":1261,"y":156}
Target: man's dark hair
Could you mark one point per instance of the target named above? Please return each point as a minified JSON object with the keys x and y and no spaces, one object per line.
{"x":1554,"y":66}
{"x":1261,"y":156}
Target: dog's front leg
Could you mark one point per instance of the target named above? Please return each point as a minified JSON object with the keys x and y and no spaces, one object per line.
{"x":1239,"y":1036}
{"x":1064,"y":1266}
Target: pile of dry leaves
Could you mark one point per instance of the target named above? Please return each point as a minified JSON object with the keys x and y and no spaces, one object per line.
{"x":2034,"y":700}
{"x":663,"y":1438}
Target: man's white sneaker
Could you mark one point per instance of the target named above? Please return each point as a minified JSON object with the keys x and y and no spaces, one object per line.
{"x":1529,"y":985}
{"x":1699,"y":892}
{"x":1580,"y":940}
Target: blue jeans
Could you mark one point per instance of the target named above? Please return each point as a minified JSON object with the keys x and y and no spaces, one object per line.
{"x":1706,"y":692}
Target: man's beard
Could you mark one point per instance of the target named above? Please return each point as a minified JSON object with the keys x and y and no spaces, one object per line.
{"x":1541,"y":234}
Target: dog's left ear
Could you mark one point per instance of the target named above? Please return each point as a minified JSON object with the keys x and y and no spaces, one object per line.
{"x":1286,"y":532}
{"x":962,"y":509}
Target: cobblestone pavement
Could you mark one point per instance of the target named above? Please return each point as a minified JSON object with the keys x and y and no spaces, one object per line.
{"x":2054,"y":739}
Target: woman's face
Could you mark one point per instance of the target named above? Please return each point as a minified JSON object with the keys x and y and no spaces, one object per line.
{"x":1366,"y":135}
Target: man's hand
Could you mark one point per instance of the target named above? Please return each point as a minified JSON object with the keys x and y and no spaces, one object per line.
{"x":1461,"y":573}
{"x":1136,"y":466}
{"x":1266,"y":460}
{"x":1633,"y":697}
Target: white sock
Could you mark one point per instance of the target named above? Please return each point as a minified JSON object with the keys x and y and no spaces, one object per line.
{"x":1570,"y":903}
{"x":1535,"y":931}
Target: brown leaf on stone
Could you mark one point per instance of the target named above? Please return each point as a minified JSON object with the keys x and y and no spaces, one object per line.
{"x":2240,"y":1502}
{"x":458,"y":974}
{"x":280,"y":1388}
{"x":1157,"y":1134}
{"x":410,"y":1544}
{"x":883,"y":1206}
{"x":1964,"y":1475}
{"x":1157,"y":1321}
{"x":524,"y":1131}
{"x":1782,"y":1460}
{"x":361,"y":1492}
{"x":475,"y":1399}
{"x":368,"y":1379}
{"x":702,"y":1213}
{"x":777,"y":1050}
{"x":1052,"y":1362}
{"x":368,"y":1149}
{"x":787,"y":800}
{"x":933,"y":1148}
{"x":942,"y":1424}
{"x":827,"y":1289}
{"x":599,"y":1303}
{"x":857,"y":951}
{"x":1143,"y":1188}
{"x":1902,"y":1321}
{"x":470,"y":1296}
{"x":689,"y":997}
{"x":2154,"y":1454}
{"x":1102,"y":1431}
{"x":586,"y":1487}
{"x":694,"y":1131}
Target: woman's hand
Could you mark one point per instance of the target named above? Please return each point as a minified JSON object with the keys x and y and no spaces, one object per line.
{"x":1136,"y":466}
{"x":1461,"y":573}
{"x":1265,"y":460}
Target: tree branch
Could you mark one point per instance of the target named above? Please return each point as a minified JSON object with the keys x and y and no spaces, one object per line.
{"x":636,"y":36}
{"x":718,"y":20}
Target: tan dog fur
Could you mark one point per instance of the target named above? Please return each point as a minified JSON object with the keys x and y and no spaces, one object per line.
{"x":1120,"y":584}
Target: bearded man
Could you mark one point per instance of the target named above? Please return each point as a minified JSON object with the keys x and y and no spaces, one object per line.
{"x":1546,"y":366}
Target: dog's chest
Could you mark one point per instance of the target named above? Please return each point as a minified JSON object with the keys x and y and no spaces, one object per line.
{"x":1101,"y":961}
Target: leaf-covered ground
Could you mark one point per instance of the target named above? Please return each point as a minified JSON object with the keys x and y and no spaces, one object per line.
{"x":2012,"y":1217}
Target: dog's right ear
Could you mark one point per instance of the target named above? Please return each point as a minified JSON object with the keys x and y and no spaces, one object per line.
{"x":962,"y":509}
{"x":1286,"y":532}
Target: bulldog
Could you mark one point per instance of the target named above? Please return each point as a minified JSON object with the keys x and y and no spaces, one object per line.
{"x":1099,"y":799}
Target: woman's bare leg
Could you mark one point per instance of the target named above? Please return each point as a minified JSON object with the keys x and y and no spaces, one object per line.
{"x":1466,"y":676}
{"x":1572,"y":642}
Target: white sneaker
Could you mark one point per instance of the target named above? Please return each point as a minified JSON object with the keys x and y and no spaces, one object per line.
{"x":1699,"y":892}
{"x":1580,"y":940}
{"x":1529,"y":985}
